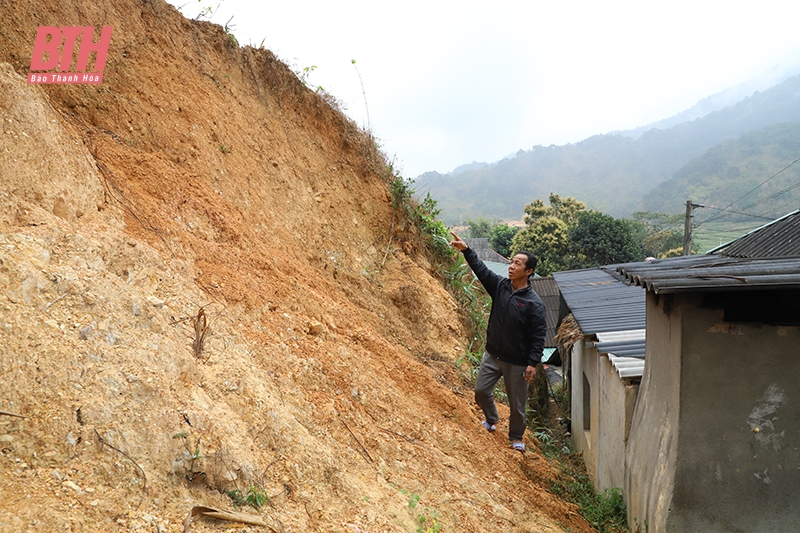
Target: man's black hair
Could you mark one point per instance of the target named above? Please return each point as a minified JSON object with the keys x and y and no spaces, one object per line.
{"x":531,"y":262}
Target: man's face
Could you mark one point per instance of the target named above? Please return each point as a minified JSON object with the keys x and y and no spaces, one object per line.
{"x":517,"y":270}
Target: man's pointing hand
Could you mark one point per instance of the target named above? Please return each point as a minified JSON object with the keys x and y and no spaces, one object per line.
{"x":457,"y":243}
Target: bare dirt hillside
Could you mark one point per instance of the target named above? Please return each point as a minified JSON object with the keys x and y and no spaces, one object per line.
{"x":202,"y":175}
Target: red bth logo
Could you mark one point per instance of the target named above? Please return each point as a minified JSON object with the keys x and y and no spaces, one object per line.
{"x":48,"y":54}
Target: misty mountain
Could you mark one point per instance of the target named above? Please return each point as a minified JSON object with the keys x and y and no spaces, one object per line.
{"x":720,"y":100}
{"x":610,"y":172}
{"x":753,"y":174}
{"x":469,"y":166}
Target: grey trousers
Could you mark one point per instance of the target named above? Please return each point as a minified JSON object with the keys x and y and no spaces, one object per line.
{"x":492,"y":369}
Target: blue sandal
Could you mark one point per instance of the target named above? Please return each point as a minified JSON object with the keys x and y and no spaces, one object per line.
{"x":489,"y":427}
{"x":518,"y":445}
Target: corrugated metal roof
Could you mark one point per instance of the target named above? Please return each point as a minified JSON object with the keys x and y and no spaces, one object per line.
{"x":779,"y":238}
{"x":627,"y":367}
{"x":547,"y":289}
{"x":632,"y":349}
{"x":712,"y":272}
{"x":622,"y":336}
{"x":623,"y":349}
{"x":600,"y":302}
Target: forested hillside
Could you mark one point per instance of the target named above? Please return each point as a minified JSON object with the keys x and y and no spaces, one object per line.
{"x":732,"y":169}
{"x":609,"y":172}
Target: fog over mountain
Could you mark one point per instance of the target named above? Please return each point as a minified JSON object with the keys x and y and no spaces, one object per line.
{"x":731,"y":96}
{"x":613,"y":172}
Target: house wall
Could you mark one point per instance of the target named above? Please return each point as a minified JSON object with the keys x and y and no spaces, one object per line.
{"x":616,"y":400}
{"x":653,"y":441}
{"x":739,"y":434}
{"x":584,"y":363}
{"x":714,"y":443}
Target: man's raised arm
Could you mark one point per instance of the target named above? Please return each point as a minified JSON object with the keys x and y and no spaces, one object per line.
{"x":488,"y":279}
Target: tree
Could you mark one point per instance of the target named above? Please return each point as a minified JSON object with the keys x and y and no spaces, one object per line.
{"x":599,"y":239}
{"x":564,"y":236}
{"x":536,"y":210}
{"x":563,"y":209}
{"x":547,"y":233}
{"x":480,"y":229}
{"x":659,"y":232}
{"x":548,"y":239}
{"x":500,"y":239}
{"x":566,"y":209}
{"x":659,"y":244}
{"x":499,"y":234}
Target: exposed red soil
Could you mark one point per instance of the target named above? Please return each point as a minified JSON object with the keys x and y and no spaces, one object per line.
{"x":204,"y":175}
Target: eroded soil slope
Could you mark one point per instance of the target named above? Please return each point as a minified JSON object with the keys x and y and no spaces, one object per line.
{"x":201,"y":175}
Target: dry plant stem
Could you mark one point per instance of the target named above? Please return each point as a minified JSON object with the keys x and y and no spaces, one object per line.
{"x":465,"y":500}
{"x":358,"y":441}
{"x":255,"y":79}
{"x":389,"y":246}
{"x":193,"y":454}
{"x":144,"y":476}
{"x":200,"y":333}
{"x":46,"y":307}
{"x":114,"y":190}
{"x":264,"y":473}
{"x":280,"y":390}
{"x":6,"y":413}
{"x":363,"y":92}
{"x":409,"y":439}
{"x":212,"y":292}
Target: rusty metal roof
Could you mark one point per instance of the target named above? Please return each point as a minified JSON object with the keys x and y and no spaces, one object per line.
{"x":712,"y":272}
{"x":765,"y":258}
{"x":779,"y":238}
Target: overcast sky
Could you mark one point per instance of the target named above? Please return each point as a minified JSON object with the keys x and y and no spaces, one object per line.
{"x":448,"y":83}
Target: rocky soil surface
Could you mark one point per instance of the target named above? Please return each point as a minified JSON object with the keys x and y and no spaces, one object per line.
{"x":204,"y":288}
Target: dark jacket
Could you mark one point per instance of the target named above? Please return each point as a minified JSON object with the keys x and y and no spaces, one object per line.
{"x":517,"y":323}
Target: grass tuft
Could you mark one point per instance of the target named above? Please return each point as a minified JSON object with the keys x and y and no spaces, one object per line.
{"x":255,"y":497}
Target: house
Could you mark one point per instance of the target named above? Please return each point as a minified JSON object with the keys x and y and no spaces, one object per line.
{"x":714,"y":442}
{"x":714,"y":445}
{"x":605,"y":364}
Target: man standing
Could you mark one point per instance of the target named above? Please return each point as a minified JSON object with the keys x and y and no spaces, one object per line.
{"x":514,"y":338}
